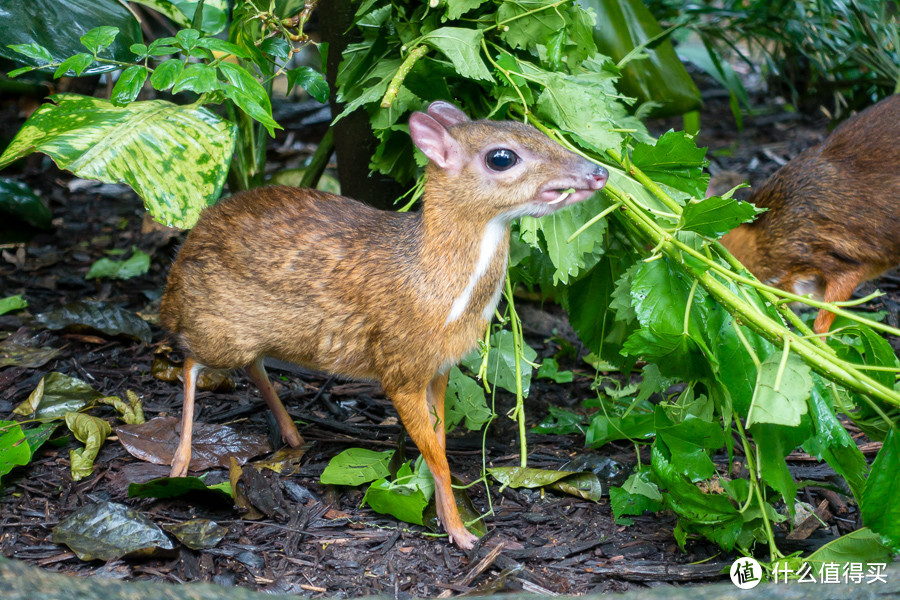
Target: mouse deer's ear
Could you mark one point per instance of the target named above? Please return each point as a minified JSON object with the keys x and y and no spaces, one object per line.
{"x":432,"y":138}
{"x":447,"y":114}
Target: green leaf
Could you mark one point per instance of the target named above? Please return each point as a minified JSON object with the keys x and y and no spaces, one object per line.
{"x":32,"y":50}
{"x":74,"y":64}
{"x":465,"y":401}
{"x":175,"y":157}
{"x":196,"y":77}
{"x":14,"y":449}
{"x":139,"y":50}
{"x":188,"y":38}
{"x":166,"y":74}
{"x":277,"y":47}
{"x":90,"y":431}
{"x":174,"y":487}
{"x":356,"y":466}
{"x":215,"y":12}
{"x":676,"y":163}
{"x":11,"y":303}
{"x":405,"y":504}
{"x":637,"y":495}
{"x":107,"y":531}
{"x":99,"y":316}
{"x":59,"y":29}
{"x":457,"y":8}
{"x":561,"y":422}
{"x":860,"y":546}
{"x":689,"y":443}
{"x":224,"y":47}
{"x":501,"y":367}
{"x":310,"y":80}
{"x":605,"y":428}
{"x":130,"y":411}
{"x":99,"y":38}
{"x":715,"y":216}
{"x":527,"y":477}
{"x":55,"y":396}
{"x":138,"y":264}
{"x":17,"y":199}
{"x":549,"y":369}
{"x":524,"y":25}
{"x":249,"y":95}
{"x":781,"y":391}
{"x":462,"y":46}
{"x":198,"y":534}
{"x":128,"y":85}
{"x":880,"y":506}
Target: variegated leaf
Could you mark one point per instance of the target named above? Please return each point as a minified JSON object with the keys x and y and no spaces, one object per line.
{"x":174,"y":157}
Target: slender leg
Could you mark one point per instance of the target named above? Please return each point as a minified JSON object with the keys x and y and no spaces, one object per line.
{"x":837,"y":289}
{"x":182,"y":457}
{"x":289,"y":433}
{"x":414,"y":412}
{"x":437,"y":389}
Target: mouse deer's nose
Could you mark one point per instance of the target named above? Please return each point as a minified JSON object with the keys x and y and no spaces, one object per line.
{"x":598,"y":178}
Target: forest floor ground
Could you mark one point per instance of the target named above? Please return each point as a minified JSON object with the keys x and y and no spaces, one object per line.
{"x":322,"y":543}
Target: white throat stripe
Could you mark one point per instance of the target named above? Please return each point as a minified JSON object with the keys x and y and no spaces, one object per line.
{"x":491,"y":238}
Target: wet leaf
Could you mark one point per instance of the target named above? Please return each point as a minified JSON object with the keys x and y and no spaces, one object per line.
{"x":90,"y":431}
{"x":14,"y":354}
{"x":14,"y":449}
{"x":18,"y":200}
{"x":356,"y":466}
{"x":132,"y":412}
{"x":285,"y":461}
{"x":198,"y":534}
{"x":91,"y":315}
{"x":137,"y":264}
{"x":584,"y":485}
{"x":189,"y":146}
{"x":55,"y":395}
{"x":212,"y":445}
{"x":173,"y":487}
{"x":11,"y":303}
{"x":107,"y":531}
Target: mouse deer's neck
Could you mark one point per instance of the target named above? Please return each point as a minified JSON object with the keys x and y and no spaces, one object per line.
{"x":467,"y":254}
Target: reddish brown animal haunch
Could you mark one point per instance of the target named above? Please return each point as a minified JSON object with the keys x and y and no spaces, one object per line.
{"x":329,"y":283}
{"x":832,"y":219}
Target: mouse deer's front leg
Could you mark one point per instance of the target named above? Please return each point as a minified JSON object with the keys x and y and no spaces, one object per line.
{"x":413,"y":408}
{"x":437,"y":390}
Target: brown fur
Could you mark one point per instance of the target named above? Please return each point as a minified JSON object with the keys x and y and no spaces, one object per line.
{"x":329,"y":283}
{"x":833,"y":217}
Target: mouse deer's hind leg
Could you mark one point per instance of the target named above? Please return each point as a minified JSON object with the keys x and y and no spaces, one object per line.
{"x":289,"y":433}
{"x":437,"y":389}
{"x":182,"y":458}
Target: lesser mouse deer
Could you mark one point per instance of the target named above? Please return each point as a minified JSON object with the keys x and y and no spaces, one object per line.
{"x":332,"y":284}
{"x":832,"y":219}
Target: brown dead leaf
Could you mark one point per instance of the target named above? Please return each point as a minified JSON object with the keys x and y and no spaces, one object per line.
{"x":212,"y":445}
{"x":285,"y":461}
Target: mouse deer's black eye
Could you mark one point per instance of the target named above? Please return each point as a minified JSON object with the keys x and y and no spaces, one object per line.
{"x":501,"y":160}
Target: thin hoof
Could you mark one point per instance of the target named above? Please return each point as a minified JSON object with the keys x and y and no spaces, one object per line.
{"x":464,"y":539}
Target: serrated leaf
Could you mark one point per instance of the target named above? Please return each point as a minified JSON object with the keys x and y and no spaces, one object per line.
{"x":356,"y":466}
{"x":675,"y":162}
{"x":189,"y":148}
{"x":90,"y":431}
{"x":107,"y":531}
{"x":457,"y":8}
{"x":715,"y":216}
{"x":99,"y":38}
{"x":310,"y":80}
{"x":561,"y":422}
{"x":462,"y":46}
{"x":32,"y":50}
{"x":137,"y":264}
{"x":781,"y":392}
{"x":76,"y":64}
{"x":604,"y":428}
{"x":19,"y":200}
{"x":129,"y":85}
{"x":97,"y":316}
{"x":166,"y":73}
{"x":465,"y":401}
{"x":549,"y":369}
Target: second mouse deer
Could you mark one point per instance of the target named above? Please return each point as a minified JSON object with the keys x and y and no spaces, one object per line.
{"x":833,"y":218}
{"x":329,"y":283}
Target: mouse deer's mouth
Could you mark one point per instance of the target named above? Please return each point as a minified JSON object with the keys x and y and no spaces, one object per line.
{"x":564,"y":197}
